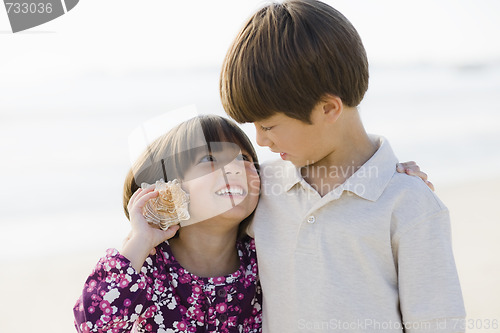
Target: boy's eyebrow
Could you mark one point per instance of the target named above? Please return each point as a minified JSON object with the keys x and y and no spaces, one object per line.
{"x":264,"y":121}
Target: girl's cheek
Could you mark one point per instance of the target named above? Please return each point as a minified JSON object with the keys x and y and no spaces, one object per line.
{"x":254,"y":183}
{"x":185,"y":187}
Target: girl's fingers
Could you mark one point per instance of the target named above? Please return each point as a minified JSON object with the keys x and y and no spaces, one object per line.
{"x":144,"y":191}
{"x":411,"y":168}
{"x":431,"y":186}
{"x":408,"y":164}
{"x":139,"y":194}
{"x":170,"y":232}
{"x":132,"y":198}
{"x":414,"y":168}
{"x":403,"y":166}
{"x":419,"y":174}
{"x":141,"y":201}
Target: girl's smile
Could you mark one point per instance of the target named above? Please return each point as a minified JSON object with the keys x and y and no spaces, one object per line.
{"x":232,"y":190}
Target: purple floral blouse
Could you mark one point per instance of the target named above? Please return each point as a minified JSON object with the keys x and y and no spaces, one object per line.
{"x":164,"y":297}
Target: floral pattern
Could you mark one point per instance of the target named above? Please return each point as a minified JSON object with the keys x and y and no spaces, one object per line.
{"x":164,"y":297}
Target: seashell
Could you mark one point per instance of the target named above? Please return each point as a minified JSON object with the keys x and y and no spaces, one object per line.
{"x":170,"y":207}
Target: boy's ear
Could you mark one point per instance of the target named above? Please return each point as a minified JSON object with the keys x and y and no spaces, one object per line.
{"x":332,"y":108}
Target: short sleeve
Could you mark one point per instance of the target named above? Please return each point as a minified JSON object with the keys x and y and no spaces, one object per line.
{"x":429,"y":288}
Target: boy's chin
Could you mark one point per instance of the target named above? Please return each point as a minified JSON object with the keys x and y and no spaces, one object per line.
{"x":299,"y":164}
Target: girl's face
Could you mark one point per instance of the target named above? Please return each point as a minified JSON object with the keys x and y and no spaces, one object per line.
{"x":222,"y":184}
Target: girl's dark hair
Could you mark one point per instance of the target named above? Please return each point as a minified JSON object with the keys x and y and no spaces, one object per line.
{"x":173,"y":153}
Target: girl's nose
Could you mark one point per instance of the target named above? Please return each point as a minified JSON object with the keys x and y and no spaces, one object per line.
{"x":235,"y":167}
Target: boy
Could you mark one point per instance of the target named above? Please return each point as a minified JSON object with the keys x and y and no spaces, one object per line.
{"x":344,"y":242}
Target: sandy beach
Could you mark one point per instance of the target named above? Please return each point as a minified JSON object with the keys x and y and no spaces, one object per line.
{"x":38,"y":294}
{"x":476,"y":230}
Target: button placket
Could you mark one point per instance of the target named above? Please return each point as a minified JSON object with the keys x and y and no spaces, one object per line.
{"x":309,"y":234}
{"x":222,"y":295}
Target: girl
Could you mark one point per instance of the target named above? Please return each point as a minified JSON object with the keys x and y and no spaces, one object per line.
{"x":205,"y":278}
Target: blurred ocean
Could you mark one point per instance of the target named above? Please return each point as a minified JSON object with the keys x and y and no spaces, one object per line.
{"x":65,"y":151}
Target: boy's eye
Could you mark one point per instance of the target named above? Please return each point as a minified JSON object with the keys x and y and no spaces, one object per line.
{"x":208,"y":158}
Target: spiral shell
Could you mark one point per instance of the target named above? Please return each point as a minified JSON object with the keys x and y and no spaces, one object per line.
{"x":170,"y":207}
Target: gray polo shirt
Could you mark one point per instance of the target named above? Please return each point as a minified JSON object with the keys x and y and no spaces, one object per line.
{"x":372,"y":255}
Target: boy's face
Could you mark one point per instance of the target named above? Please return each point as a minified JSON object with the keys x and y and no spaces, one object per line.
{"x":298,"y":142}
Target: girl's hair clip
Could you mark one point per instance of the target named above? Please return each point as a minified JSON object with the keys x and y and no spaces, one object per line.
{"x":170,"y":207}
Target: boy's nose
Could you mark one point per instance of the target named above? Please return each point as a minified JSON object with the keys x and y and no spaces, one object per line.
{"x":261,"y":137}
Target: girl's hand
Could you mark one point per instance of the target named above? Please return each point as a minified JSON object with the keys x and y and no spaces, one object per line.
{"x":143,"y":237}
{"x":411,"y":168}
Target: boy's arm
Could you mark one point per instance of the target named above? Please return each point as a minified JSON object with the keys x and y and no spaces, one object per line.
{"x":430,"y":294}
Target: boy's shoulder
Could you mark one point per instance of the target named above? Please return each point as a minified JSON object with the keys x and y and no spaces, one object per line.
{"x":382,"y":182}
{"x":412,"y":194}
{"x":404,"y":182}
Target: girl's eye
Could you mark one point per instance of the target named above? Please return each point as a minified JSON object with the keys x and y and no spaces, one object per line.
{"x":265,"y":129}
{"x":208,"y":158}
{"x":244,"y":157}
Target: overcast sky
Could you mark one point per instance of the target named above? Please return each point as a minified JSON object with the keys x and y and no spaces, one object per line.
{"x":122,"y":35}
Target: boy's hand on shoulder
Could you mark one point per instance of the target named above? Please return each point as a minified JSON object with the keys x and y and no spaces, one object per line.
{"x":411,"y":168}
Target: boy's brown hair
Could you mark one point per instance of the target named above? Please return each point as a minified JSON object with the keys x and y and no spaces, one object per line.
{"x":287,"y":57}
